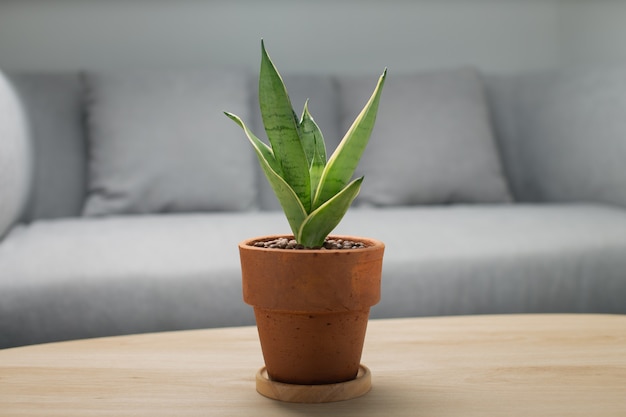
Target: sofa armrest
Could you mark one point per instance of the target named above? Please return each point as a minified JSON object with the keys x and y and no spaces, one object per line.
{"x":15,"y":157}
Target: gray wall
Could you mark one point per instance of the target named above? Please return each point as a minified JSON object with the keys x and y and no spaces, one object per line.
{"x":593,"y":31}
{"x":322,"y":35}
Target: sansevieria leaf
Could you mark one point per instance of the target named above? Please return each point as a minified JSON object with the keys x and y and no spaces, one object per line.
{"x":314,"y":147}
{"x":311,"y":136}
{"x":288,"y":199}
{"x":344,"y":160}
{"x":281,"y":126}
{"x":322,"y":221}
{"x":314,"y":193}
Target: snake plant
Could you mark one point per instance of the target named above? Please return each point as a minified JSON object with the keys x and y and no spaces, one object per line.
{"x":315,"y":193}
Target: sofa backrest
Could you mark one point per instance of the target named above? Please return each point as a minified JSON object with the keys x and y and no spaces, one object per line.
{"x":563,"y":133}
{"x":104,"y":143}
{"x":557,"y":136}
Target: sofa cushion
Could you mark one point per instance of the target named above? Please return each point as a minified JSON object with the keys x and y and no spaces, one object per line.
{"x":160,"y":142}
{"x":117,"y":275}
{"x":54,"y":107}
{"x":104,"y":276}
{"x":564,"y":134}
{"x":432,"y":142}
{"x":501,"y":258}
{"x":15,"y":162}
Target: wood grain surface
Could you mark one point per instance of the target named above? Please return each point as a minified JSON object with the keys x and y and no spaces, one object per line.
{"x":510,"y":365}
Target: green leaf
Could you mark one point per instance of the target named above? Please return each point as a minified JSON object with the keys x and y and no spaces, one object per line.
{"x":322,"y":221}
{"x":311,"y":136}
{"x":317,"y":167}
{"x":314,"y":193}
{"x":259,"y":146}
{"x":294,"y":211}
{"x":342,"y":164}
{"x":281,"y":126}
{"x":314,"y":147}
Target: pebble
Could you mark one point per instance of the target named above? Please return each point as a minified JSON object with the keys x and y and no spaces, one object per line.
{"x":284,"y":243}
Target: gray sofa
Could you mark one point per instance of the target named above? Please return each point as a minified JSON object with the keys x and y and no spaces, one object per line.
{"x":123,"y":195}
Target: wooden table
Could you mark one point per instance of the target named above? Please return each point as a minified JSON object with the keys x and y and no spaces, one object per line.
{"x":518,"y":365}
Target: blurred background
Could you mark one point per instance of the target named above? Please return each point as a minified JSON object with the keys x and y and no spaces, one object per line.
{"x":313,"y":36}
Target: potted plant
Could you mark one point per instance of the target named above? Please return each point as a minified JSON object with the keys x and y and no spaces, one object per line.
{"x":311,"y":292}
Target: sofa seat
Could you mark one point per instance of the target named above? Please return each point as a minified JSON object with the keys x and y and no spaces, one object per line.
{"x":518,"y":258}
{"x":89,"y":277}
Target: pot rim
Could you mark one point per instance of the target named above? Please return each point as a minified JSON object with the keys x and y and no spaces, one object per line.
{"x":311,"y":279}
{"x":372,"y":244}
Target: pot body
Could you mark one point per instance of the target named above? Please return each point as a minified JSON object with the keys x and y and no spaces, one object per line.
{"x":311,"y":307}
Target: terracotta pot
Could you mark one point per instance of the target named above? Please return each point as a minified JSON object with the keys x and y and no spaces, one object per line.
{"x":311,"y":307}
